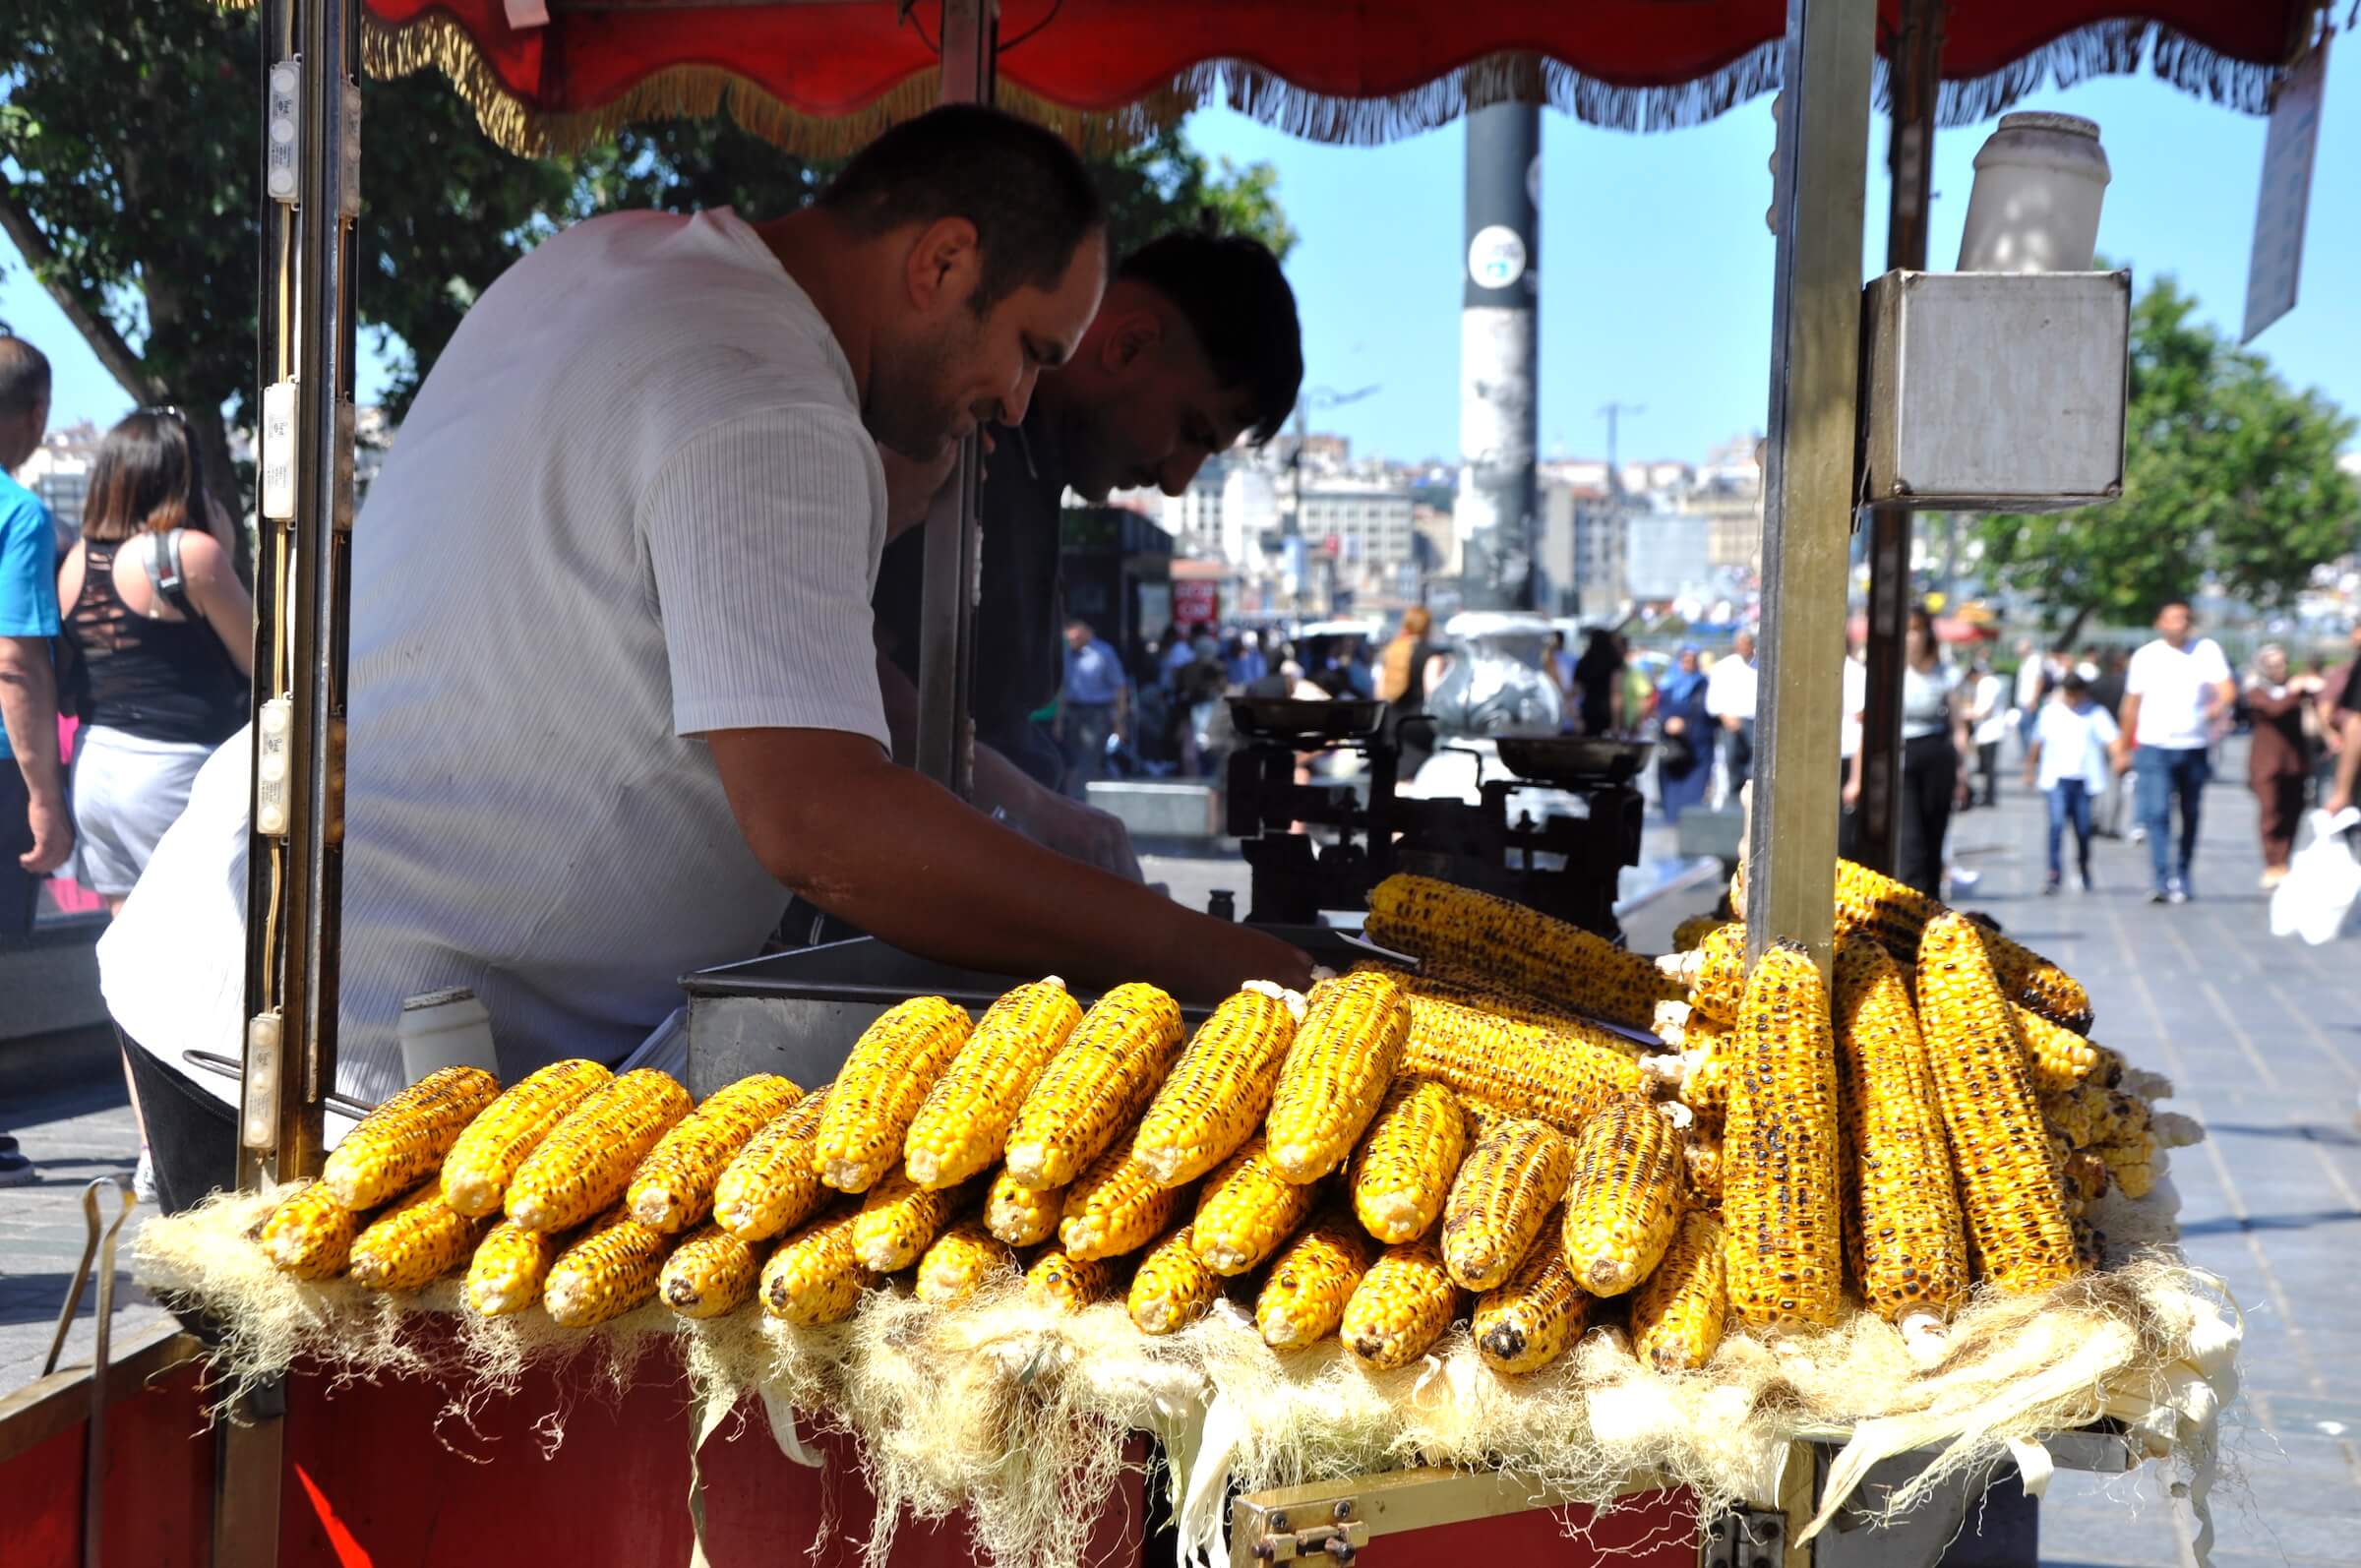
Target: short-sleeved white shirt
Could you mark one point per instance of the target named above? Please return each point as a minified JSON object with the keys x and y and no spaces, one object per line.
{"x":634,"y":503}
{"x":1731,"y":687}
{"x":2074,"y":745}
{"x":2173,"y":686}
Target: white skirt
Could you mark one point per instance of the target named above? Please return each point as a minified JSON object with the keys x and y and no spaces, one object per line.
{"x":126,"y":790}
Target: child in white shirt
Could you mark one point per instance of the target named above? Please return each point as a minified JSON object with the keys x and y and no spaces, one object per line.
{"x":2068,"y":762}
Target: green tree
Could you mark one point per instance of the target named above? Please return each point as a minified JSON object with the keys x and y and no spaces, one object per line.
{"x":2230,"y":481}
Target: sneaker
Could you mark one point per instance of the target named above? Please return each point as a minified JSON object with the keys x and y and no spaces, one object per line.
{"x":143,"y":1178}
{"x":2049,"y":888}
{"x":2159,"y":896}
{"x":2081,"y":881}
{"x":1964,"y":878}
{"x":2136,"y":835}
{"x":16,"y":1171}
{"x":2177,"y":891}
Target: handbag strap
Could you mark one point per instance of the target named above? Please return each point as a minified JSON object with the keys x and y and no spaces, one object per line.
{"x":165,"y":572}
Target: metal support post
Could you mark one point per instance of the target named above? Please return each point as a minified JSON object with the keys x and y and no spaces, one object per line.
{"x":1808,"y":489}
{"x":955,"y":534}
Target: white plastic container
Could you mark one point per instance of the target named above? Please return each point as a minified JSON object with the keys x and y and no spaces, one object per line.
{"x":2040,"y":180}
{"x":444,"y":1029}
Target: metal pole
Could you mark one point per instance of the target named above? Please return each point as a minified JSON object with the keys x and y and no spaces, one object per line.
{"x":1808,"y":489}
{"x":955,"y":534}
{"x":1495,"y":514}
{"x":1910,"y":159}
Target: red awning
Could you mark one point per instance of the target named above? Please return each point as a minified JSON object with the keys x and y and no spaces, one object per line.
{"x":821,"y":76}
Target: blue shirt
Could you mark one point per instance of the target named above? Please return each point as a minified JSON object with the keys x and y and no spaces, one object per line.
{"x":28,"y":570}
{"x":1093,"y":675}
{"x":1249,"y":665}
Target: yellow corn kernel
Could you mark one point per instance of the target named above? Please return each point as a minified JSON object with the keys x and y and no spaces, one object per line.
{"x":1527,"y":1321}
{"x":1068,"y":1284}
{"x":2061,"y":1060}
{"x":1623,"y":1198}
{"x":773,"y":1183}
{"x":813,"y":1276}
{"x":1897,"y":916}
{"x":310,"y":1233}
{"x":1302,"y":1301}
{"x":610,"y":1270}
{"x":1506,"y":1188}
{"x":1695,"y":930}
{"x":477,"y":1170}
{"x":416,"y":1242}
{"x":1781,"y":1198}
{"x":402,"y":1142}
{"x":1019,"y":1215}
{"x":1114,"y":1207}
{"x":1555,"y":1076}
{"x":709,"y":1275}
{"x":1401,"y":1307}
{"x":893,"y":1068}
{"x":510,"y":1266}
{"x":1344,"y":1055}
{"x":584,"y":1165}
{"x":1220,"y":1087}
{"x":1402,"y":1170}
{"x":673,"y":1187}
{"x":1715,"y":974}
{"x":1172,"y":1287}
{"x":1096,"y":1087}
{"x":900,"y":1220}
{"x":1514,"y":948}
{"x":1679,"y":1312}
{"x":1702,"y":1157}
{"x":1468,"y":992}
{"x":961,"y":1260}
{"x":1247,"y":1209}
{"x":963,"y":1126}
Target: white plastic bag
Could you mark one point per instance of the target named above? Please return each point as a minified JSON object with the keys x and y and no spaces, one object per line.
{"x":2323,"y":881}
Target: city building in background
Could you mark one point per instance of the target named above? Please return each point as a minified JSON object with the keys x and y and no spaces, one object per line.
{"x":59,"y":472}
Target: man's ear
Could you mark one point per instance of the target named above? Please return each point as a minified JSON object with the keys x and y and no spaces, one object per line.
{"x":943,"y":264}
{"x":1129,"y":337}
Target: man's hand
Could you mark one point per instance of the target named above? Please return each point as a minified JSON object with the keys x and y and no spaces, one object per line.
{"x":1078,"y":832}
{"x":53,"y":837}
{"x":1852,"y":794}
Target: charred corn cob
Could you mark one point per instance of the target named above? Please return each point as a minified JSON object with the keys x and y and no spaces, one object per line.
{"x":1401,"y":1307}
{"x":1246,"y":1210}
{"x":871,"y":1105}
{"x":1468,"y":992}
{"x":900,"y":1220}
{"x":673,"y":1188}
{"x":961,"y":1260}
{"x":1529,"y":1319}
{"x":1677,"y":1314}
{"x":1096,"y":1087}
{"x":1695,"y":930}
{"x":1911,"y":1254}
{"x":1518,"y":949}
{"x":2010,"y":1187}
{"x":607,"y":1273}
{"x":477,"y":1170}
{"x":420,"y":1239}
{"x":1553,"y":1075}
{"x":1897,"y":916}
{"x":1779,"y":1187}
{"x":2086,"y":1175}
{"x":2133,"y":1163}
{"x":1505,"y":1190}
{"x":773,"y":1183}
{"x":402,"y":1142}
{"x":2061,"y":1060}
{"x":1302,"y":1301}
{"x":510,"y":1266}
{"x":1220,"y":1087}
{"x":813,"y":1276}
{"x":1623,"y":1198}
{"x":1344,"y":1055}
{"x":2088,"y":1115}
{"x":1172,"y":1287}
{"x":1114,"y":1207}
{"x":1402,"y":1170}
{"x":310,"y":1233}
{"x":709,"y":1275}
{"x":963,"y":1124}
{"x":1702,"y":1157}
{"x":1714,"y":973}
{"x":584,"y":1166}
{"x":1020,"y":1216}
{"x":1068,"y":1284}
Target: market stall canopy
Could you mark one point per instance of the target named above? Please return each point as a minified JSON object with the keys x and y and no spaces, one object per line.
{"x":821,"y":77}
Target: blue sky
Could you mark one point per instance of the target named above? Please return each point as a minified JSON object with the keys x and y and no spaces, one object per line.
{"x":1655,"y":264}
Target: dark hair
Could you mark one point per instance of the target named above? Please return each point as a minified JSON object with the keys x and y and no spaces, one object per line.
{"x":1229,"y":289}
{"x":23,"y":376}
{"x":1921,"y":616}
{"x":146,"y":479}
{"x":2071,"y":680}
{"x":1025,"y":191}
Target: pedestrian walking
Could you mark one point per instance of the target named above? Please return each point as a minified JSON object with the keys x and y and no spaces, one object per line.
{"x":2067,"y":762}
{"x":2279,"y":758}
{"x":1091,"y":709}
{"x":1934,"y":747}
{"x":1684,"y":763}
{"x":1409,"y":665}
{"x":1854,"y":692}
{"x":1988,"y":726}
{"x":1729,"y":698}
{"x":1599,"y":684}
{"x":2338,"y":707}
{"x":2176,"y":703}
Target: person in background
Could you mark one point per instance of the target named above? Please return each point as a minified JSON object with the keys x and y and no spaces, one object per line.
{"x":1934,"y":747}
{"x":1729,"y":698}
{"x":37,"y":829}
{"x":2067,"y":762}
{"x":1247,"y":661}
{"x":1557,"y":667}
{"x":2338,"y":709}
{"x":1357,"y":673}
{"x":2104,"y":670}
{"x":2176,"y":704}
{"x":2279,"y":758}
{"x":1599,"y":684}
{"x":1854,"y":692}
{"x":1404,"y":670}
{"x":1684,"y":760}
{"x":1093,"y":707}
{"x":1988,"y":726}
{"x":2032,"y":684}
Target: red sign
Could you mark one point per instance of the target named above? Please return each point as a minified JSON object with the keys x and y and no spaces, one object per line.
{"x":1195,"y":603}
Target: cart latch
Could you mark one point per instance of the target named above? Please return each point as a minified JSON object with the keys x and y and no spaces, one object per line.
{"x":1745,"y":1538}
{"x":1338,"y":1538}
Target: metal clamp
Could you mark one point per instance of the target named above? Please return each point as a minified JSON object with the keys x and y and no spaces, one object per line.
{"x":1745,"y":1538}
{"x":1337,"y":1537}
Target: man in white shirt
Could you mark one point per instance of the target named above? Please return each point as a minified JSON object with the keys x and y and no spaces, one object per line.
{"x":2176,"y":704}
{"x":2067,"y":762}
{"x":614,"y":688}
{"x":1988,"y":725}
{"x":1729,"y":698}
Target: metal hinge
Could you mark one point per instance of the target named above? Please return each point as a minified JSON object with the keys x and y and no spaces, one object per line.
{"x":1337,"y":1537}
{"x":1745,"y":1538}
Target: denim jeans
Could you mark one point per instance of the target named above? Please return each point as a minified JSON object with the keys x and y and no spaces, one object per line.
{"x":2167,"y":774}
{"x":2069,"y":802}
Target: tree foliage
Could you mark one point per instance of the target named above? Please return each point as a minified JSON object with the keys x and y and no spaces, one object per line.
{"x":2231,"y":483}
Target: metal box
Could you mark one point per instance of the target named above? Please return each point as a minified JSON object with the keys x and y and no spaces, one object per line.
{"x":1995,"y":392}
{"x":1161,"y":811}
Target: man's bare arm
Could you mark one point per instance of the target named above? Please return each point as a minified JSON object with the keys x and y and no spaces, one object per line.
{"x":29,"y":709}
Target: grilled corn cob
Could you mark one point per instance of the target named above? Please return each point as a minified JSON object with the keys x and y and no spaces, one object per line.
{"x":402,"y":1142}
{"x":2061,"y":1060}
{"x":1714,"y":973}
{"x":673,"y":1188}
{"x":1911,"y":1254}
{"x":1068,"y":1284}
{"x":1302,"y":1301}
{"x":1695,"y":930}
{"x":1096,"y":1087}
{"x":310,"y":1233}
{"x":961,"y":1260}
{"x":1702,"y":1157}
{"x":420,"y":1239}
{"x":477,"y":1170}
{"x":584,"y":1165}
{"x":773,"y":1182}
{"x":2010,"y":1186}
{"x":1553,"y":1075}
{"x":1020,"y":1216}
{"x":1401,"y":1307}
{"x":1515,"y":949}
{"x":1677,"y":1314}
{"x":900,"y":1220}
{"x":1779,"y":1192}
{"x":611,"y":1270}
{"x":1334,"y":1078}
{"x":963,"y":1124}
{"x":510,"y":1267}
{"x":1172,"y":1287}
{"x":1402,"y":1170}
{"x":892,"y":1067}
{"x":1505,"y":1190}
{"x":1246,"y":1210}
{"x":1114,"y":1207}
{"x":709,"y":1275}
{"x":813,"y":1276}
{"x":1220,"y":1087}
{"x":1624,"y":1199}
{"x":2133,"y":1163}
{"x":1467,"y":993}
{"x":1527,"y":1321}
